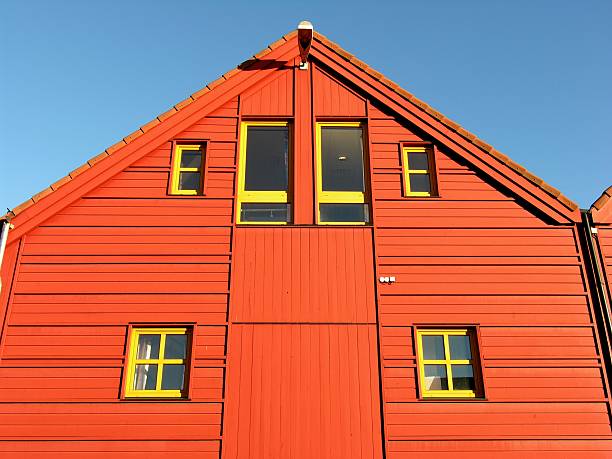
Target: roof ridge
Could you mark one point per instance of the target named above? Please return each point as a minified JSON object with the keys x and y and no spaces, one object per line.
{"x":603,"y":200}
{"x":147,"y":126}
{"x":456,"y":127}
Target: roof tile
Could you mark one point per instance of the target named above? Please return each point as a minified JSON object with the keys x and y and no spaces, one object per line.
{"x":262,"y":53}
{"x":602,"y":200}
{"x":567,"y":202}
{"x":345,"y":54}
{"x":21,"y":207}
{"x":113,"y":148}
{"x":184,"y":103}
{"x":201,"y":92}
{"x":79,"y":170}
{"x":61,"y":182}
{"x":484,"y":145}
{"x":402,"y":92}
{"x":134,"y":135}
{"x":38,"y":196}
{"x":465,"y":133}
{"x":166,"y":114}
{"x":216,"y":83}
{"x":278,"y":43}
{"x":150,"y":125}
{"x":97,"y":158}
{"x":550,"y":190}
{"x":450,"y":123}
{"x":231,"y":73}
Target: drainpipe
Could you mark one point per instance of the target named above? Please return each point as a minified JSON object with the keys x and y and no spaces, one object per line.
{"x":598,"y":288}
{"x":6,"y":226}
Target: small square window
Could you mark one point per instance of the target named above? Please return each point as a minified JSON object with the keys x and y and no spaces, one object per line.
{"x":447,"y":367}
{"x":419,"y":179}
{"x":158,"y":363}
{"x":187,"y":175}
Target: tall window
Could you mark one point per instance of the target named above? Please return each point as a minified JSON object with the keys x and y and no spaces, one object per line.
{"x":418,"y":171}
{"x":447,"y":366}
{"x":263,"y":180}
{"x":157,"y":364}
{"x":187,"y":177}
{"x":340,"y":174}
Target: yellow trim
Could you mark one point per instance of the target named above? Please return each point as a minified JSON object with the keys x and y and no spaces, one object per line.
{"x":407,"y":171}
{"x":334,"y":197}
{"x":448,"y":362}
{"x":176,"y":169}
{"x":249,"y":197}
{"x":160,"y":362}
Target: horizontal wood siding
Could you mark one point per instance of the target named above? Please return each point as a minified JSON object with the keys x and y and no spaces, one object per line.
{"x":475,"y":255}
{"x":126,"y":253}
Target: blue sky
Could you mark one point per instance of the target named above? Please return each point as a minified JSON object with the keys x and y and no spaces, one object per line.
{"x":533,"y":78}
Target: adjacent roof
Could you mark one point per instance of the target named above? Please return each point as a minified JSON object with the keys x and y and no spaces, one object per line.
{"x":602,"y":208}
{"x":339,"y":51}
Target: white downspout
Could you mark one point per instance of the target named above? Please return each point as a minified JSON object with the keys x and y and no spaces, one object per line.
{"x":6,"y":226}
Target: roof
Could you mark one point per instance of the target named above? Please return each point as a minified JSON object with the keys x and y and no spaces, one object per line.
{"x":601,"y":208}
{"x":339,"y":51}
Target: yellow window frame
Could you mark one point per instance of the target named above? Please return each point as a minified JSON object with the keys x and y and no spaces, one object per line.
{"x":177,"y":169}
{"x":160,"y":362}
{"x":448,"y":362}
{"x":248,"y":197}
{"x":335,"y":197}
{"x":408,"y":172}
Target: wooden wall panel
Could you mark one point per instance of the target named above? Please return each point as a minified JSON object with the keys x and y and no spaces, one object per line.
{"x":127,"y":253}
{"x":331,"y":98}
{"x":303,"y":275}
{"x":302,"y":391}
{"x":475,"y":255}
{"x":273,"y":97}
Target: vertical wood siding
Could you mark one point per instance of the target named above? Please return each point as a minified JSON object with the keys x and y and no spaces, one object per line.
{"x":303,"y":391}
{"x":303,"y":275}
{"x":334,"y":99}
{"x":274,"y":97}
{"x":302,"y":355}
{"x":477,"y":256}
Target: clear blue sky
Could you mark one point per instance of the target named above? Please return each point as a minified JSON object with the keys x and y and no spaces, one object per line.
{"x":531,"y":77}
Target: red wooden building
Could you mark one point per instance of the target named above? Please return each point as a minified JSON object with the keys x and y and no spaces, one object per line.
{"x":301,"y":260}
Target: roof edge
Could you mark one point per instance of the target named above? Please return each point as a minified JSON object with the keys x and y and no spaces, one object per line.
{"x":602,"y":201}
{"x":456,"y":127}
{"x":147,"y":127}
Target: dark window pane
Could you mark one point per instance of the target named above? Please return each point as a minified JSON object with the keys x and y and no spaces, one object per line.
{"x":433,"y":347}
{"x":342,"y":159}
{"x":420,"y":183}
{"x":459,"y":347}
{"x":176,"y":347}
{"x":189,"y":181}
{"x":267,"y":157}
{"x":418,"y":161}
{"x":261,"y":212}
{"x":173,"y":377}
{"x":344,"y":212}
{"x":148,"y":347}
{"x":190,"y":158}
{"x":145,"y":377}
{"x":435,"y":377}
{"x":463,"y":377}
